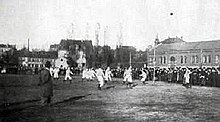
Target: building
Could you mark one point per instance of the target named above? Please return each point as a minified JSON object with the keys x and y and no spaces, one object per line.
{"x":174,"y":52}
{"x":54,"y":47}
{"x":124,"y":55}
{"x":61,"y":61}
{"x":80,"y":51}
{"x":36,"y":59}
{"x":6,"y":47}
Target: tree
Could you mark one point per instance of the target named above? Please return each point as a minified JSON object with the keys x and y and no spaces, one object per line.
{"x":71,"y":62}
{"x":10,"y":58}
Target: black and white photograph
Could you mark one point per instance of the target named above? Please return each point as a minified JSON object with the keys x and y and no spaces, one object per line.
{"x":109,"y":60}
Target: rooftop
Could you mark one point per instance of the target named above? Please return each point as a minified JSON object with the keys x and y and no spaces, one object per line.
{"x":172,"y":40}
{"x":214,"y":44}
{"x":40,"y":54}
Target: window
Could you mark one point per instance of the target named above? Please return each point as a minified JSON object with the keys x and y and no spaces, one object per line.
{"x":209,"y":59}
{"x":193,"y":59}
{"x":185,"y":59}
{"x":217,"y":59}
{"x":172,"y":59}
{"x":151,"y":60}
{"x":197,"y":59}
{"x":204,"y":59}
{"x":164,"y":60}
{"x":161,"y":60}
{"x":181,"y":59}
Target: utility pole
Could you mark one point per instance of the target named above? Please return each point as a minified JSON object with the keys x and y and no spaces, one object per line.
{"x":97,"y":32}
{"x":105,"y":35}
{"x":154,"y":57}
{"x":130,"y":59}
{"x":28,"y":44}
{"x":201,"y":59}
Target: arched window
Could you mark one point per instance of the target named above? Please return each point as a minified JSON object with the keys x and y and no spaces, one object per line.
{"x":161,"y":60}
{"x":193,"y":59}
{"x":181,"y":59}
{"x":204,"y":59}
{"x":185,"y":59}
{"x":216,"y":58}
{"x":164,"y":60}
{"x":172,"y":58}
{"x":209,"y":59}
{"x":197,"y":59}
{"x":151,"y":60}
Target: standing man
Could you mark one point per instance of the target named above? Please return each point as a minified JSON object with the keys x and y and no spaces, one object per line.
{"x":46,"y":84}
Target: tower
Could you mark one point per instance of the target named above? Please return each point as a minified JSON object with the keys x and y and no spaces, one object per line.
{"x":87,"y":32}
{"x":97,"y":32}
{"x":105,"y":35}
{"x":28,"y":44}
{"x":156,"y":42}
{"x":120,"y":35}
{"x":70,"y":31}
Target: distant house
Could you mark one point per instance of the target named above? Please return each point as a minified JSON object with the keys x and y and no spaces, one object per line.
{"x":37,"y":59}
{"x":5,"y":47}
{"x":124,"y":55}
{"x":54,"y":47}
{"x":174,"y":52}
{"x":79,"y":50}
{"x":61,"y":61}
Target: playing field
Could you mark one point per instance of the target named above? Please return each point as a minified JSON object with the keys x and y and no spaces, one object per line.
{"x":82,"y":101}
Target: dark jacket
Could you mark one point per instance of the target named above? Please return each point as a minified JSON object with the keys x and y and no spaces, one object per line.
{"x":46,"y":83}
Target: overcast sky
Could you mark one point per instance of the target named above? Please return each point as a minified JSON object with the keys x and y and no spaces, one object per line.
{"x":46,"y":22}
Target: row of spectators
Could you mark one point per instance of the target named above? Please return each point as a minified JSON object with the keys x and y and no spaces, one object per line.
{"x":198,"y":76}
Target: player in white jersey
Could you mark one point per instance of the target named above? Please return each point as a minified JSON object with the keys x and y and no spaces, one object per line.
{"x":128,"y":77}
{"x":143,"y":75}
{"x":187,"y":78}
{"x":108,"y":74}
{"x":100,"y":77}
{"x":84,"y":74}
{"x":68,"y":75}
{"x":56,"y":73}
{"x":91,"y":74}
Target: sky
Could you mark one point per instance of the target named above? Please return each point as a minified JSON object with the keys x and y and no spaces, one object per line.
{"x":46,"y":22}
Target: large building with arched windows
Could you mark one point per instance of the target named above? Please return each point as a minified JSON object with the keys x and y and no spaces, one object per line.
{"x":174,"y":52}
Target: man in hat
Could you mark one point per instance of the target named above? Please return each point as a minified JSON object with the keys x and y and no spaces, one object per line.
{"x":46,"y":84}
